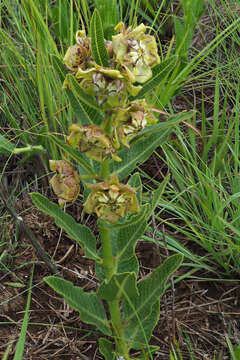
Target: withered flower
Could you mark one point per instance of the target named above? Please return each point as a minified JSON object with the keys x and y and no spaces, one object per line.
{"x":107,"y":85}
{"x":79,"y":54}
{"x":93,"y":141}
{"x":111,"y":200}
{"x":65,"y":182}
{"x":136,"y":52}
{"x":130,"y":120}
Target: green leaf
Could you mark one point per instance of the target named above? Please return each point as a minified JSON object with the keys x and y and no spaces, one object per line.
{"x":139,"y":309}
{"x":159,"y":73}
{"x":157,"y":194}
{"x":98,"y":48}
{"x":124,"y":237}
{"x":79,"y":93}
{"x":136,"y":183}
{"x":80,"y":233}
{"x":164,"y":125}
{"x":118,"y":286}
{"x":85,"y":113}
{"x":139,"y":335}
{"x":89,"y":306}
{"x":124,"y":246}
{"x":108,"y":11}
{"x":74,"y":154}
{"x":59,"y":67}
{"x":106,"y":348}
{"x":6,"y":147}
{"x":138,"y":153}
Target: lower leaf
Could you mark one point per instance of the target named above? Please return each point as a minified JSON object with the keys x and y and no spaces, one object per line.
{"x":139,"y":332}
{"x":88,"y":304}
{"x":106,"y":348}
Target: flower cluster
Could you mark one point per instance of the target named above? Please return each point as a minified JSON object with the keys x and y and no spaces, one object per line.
{"x":111,"y":200}
{"x":93,"y":141}
{"x":132,"y":55}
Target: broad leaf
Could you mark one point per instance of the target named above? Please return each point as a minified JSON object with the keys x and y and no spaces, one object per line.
{"x":6,"y":147}
{"x":157,"y":194}
{"x":106,"y":349}
{"x":79,"y":93}
{"x":124,"y":247}
{"x":138,"y":153}
{"x":139,"y":334}
{"x":108,"y":11}
{"x":86,"y":114}
{"x":89,"y":306}
{"x":59,"y":67}
{"x":75,"y":155}
{"x":136,"y":183}
{"x":80,"y":233}
{"x":118,"y":286}
{"x":173,"y":121}
{"x":159,"y":73}
{"x":98,"y":48}
{"x":124,"y":237}
{"x":150,"y":289}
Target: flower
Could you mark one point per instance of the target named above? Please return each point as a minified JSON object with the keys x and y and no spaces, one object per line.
{"x":65,"y":182}
{"x":111,"y":200}
{"x":136,"y":52}
{"x":78,"y":55}
{"x":108,"y":85}
{"x":92,"y":140}
{"x":130,"y":120}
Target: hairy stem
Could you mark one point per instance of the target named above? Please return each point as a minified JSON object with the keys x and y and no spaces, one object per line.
{"x":109,"y":264}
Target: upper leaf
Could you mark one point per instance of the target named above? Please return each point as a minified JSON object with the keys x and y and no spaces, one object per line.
{"x":135,"y":182}
{"x":108,"y":11}
{"x":85,"y":113}
{"x":138,"y":153}
{"x":98,"y":48}
{"x":85,"y":167}
{"x":156,"y":195}
{"x":71,"y":83}
{"x":80,"y":233}
{"x":59,"y":67}
{"x":89,"y":306}
{"x":124,"y":247}
{"x":124,"y":237}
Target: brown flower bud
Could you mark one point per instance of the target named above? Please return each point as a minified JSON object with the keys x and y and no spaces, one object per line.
{"x":65,"y":182}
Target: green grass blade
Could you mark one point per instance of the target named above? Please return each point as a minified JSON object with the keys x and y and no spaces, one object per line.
{"x":21,"y":341}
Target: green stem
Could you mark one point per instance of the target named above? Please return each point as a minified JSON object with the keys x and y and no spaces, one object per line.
{"x":109,"y":264}
{"x":29,"y":148}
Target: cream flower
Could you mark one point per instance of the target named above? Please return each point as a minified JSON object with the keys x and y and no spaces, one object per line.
{"x":136,"y":52}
